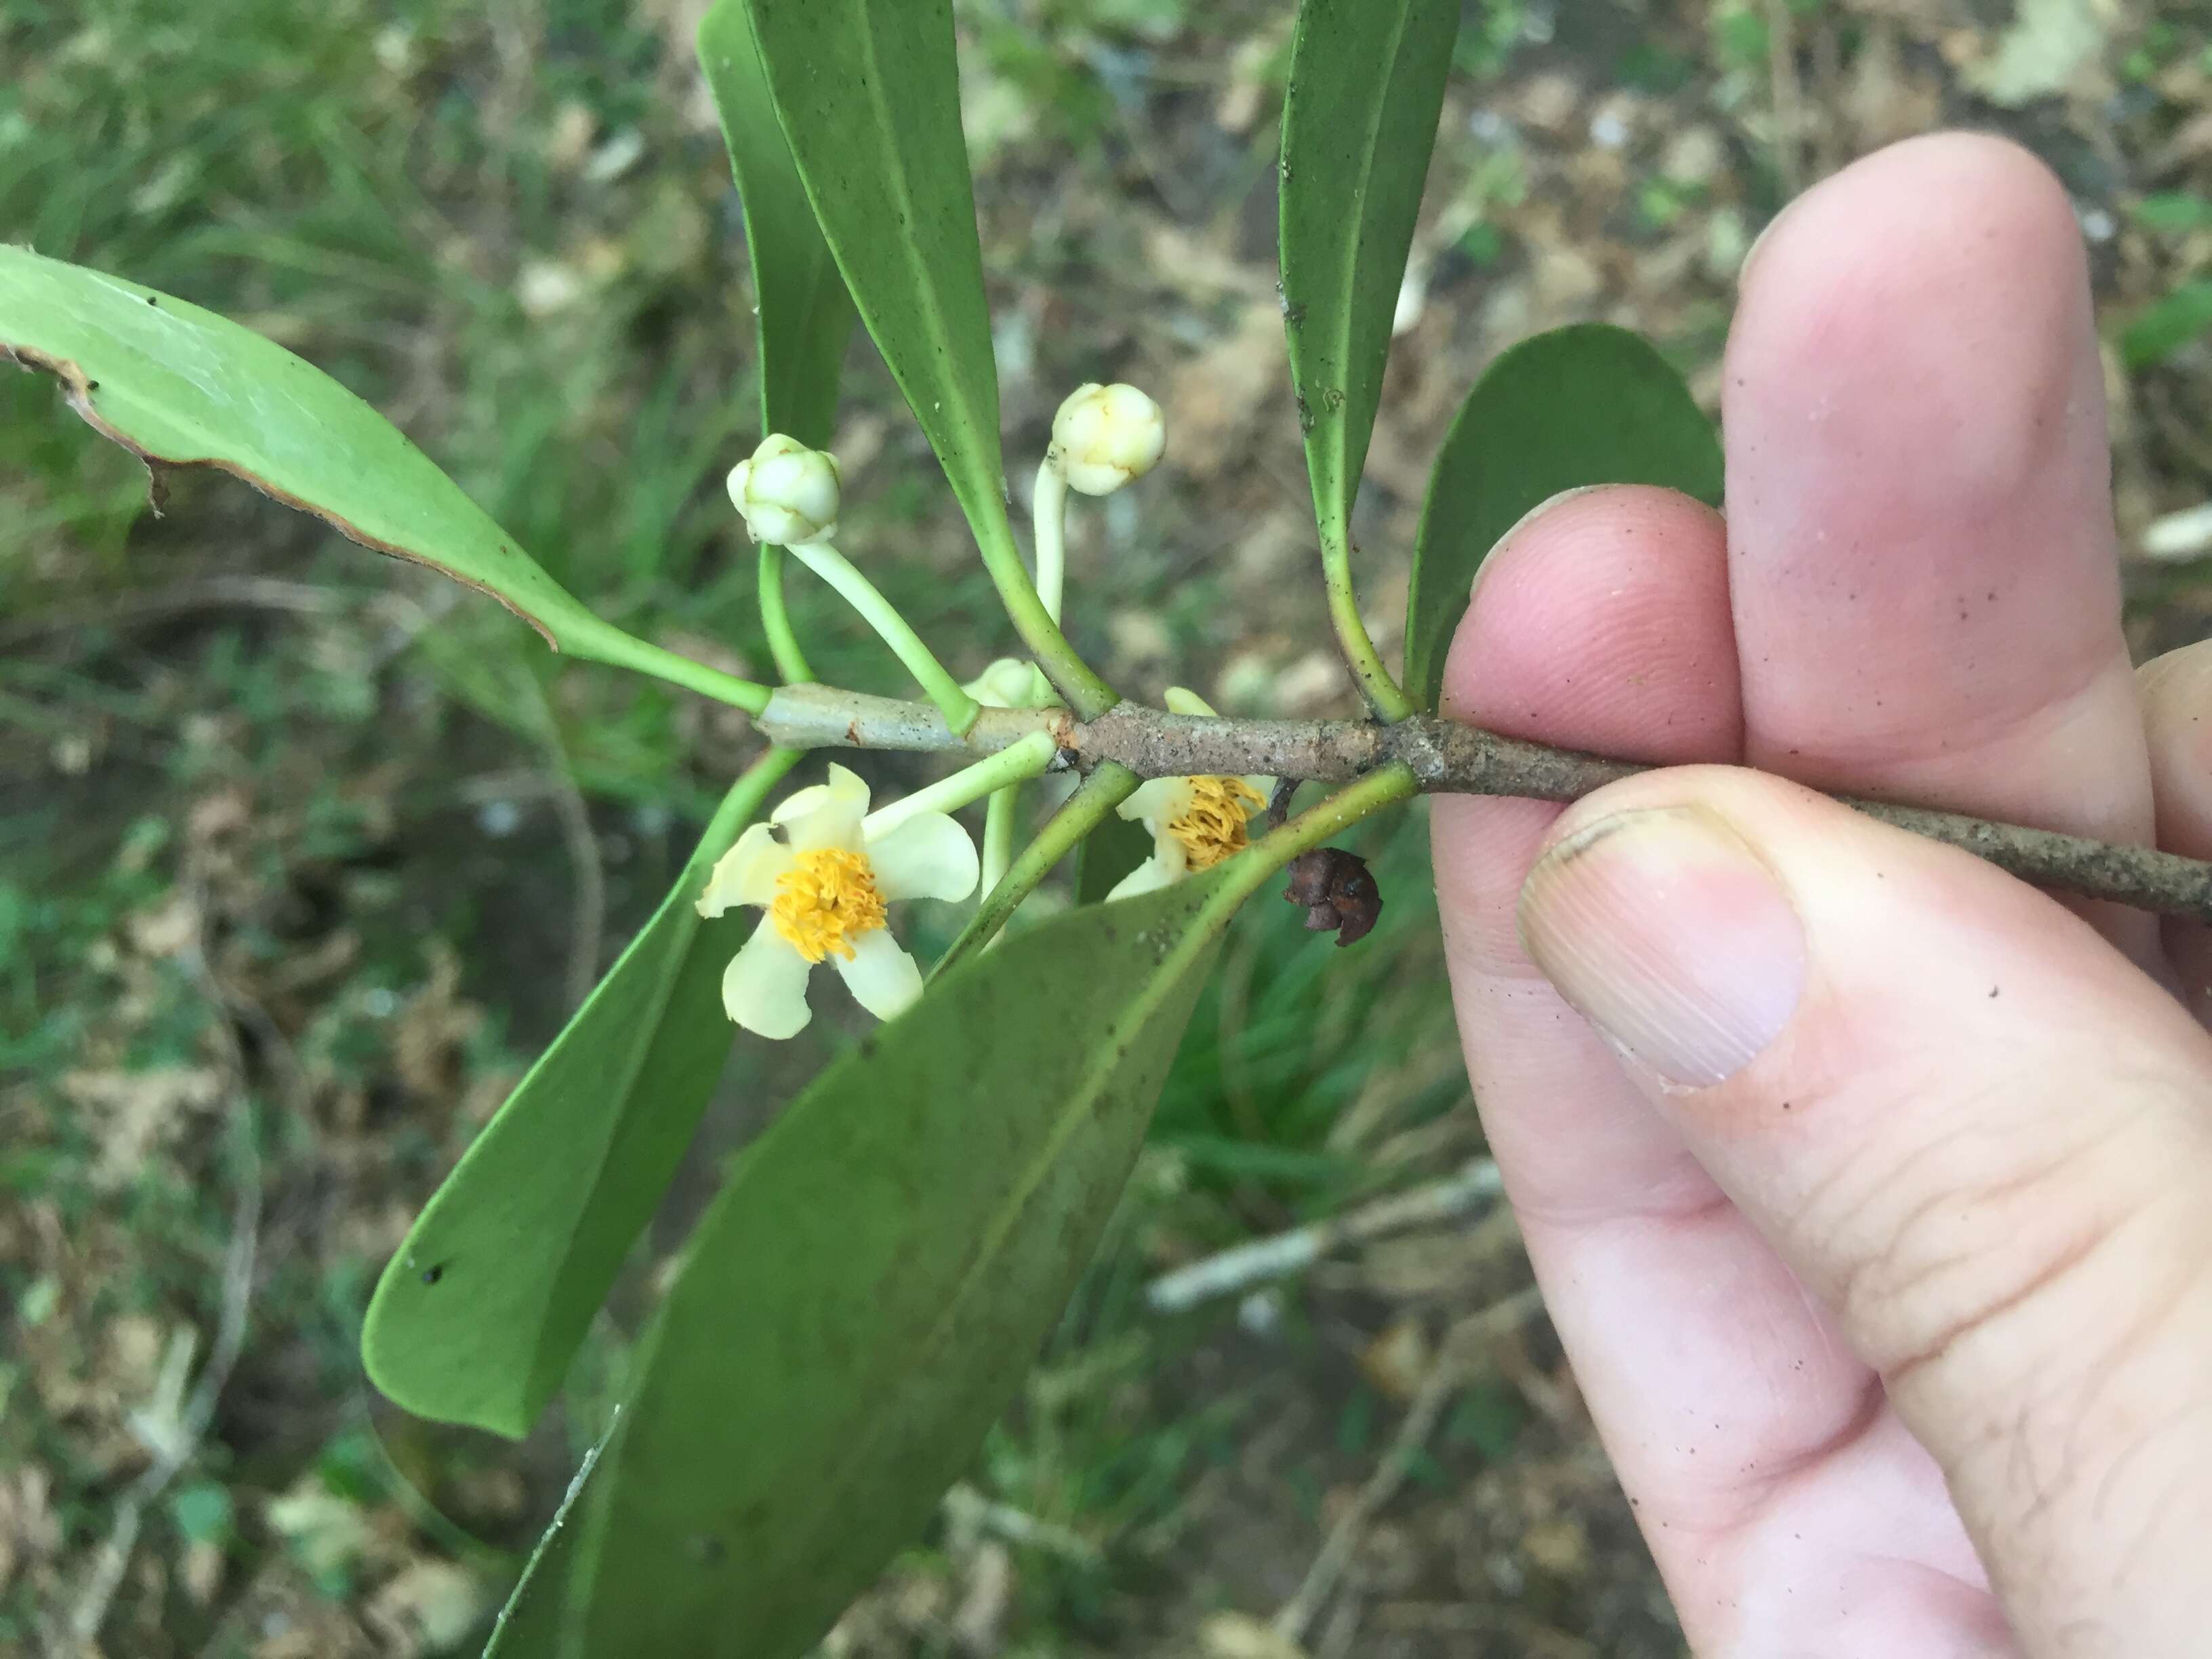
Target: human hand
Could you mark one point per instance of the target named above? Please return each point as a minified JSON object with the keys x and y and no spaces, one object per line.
{"x":1870,"y":1190}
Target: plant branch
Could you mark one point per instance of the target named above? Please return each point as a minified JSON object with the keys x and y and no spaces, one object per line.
{"x":1444,"y":758}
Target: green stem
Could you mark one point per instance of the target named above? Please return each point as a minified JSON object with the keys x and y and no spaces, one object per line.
{"x":1381,"y":692}
{"x":1012,"y":765}
{"x":1106,"y":788}
{"x":999,"y":834}
{"x":1088,"y":696}
{"x":826,"y":561}
{"x":609,"y":644}
{"x":1049,"y":527}
{"x":775,"y":620}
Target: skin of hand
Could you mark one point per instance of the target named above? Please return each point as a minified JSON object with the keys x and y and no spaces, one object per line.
{"x":1871,"y":1191}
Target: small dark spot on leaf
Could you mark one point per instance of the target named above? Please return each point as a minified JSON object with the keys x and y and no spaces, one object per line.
{"x":431,"y":1275}
{"x":153,"y":300}
{"x":92,"y":386}
{"x":705,"y":1548}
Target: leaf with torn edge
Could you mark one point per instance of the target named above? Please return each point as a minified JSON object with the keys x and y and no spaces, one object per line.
{"x":180,"y":386}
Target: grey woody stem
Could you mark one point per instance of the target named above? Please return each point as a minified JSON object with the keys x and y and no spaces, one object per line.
{"x":1445,"y":757}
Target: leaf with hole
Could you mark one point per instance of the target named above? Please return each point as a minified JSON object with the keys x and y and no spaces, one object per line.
{"x":1359,"y":120}
{"x":863,"y":1298}
{"x":1588,"y":403}
{"x":479,"y":1314}
{"x":180,"y":386}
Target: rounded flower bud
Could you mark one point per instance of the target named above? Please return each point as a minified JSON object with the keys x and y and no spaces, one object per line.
{"x":1105,"y":435}
{"x":786,"y":493}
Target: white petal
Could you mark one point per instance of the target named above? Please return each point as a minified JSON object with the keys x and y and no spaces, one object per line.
{"x":881,"y":976}
{"x":764,"y":986}
{"x":826,"y":815}
{"x":1155,"y":803}
{"x":928,"y":856}
{"x":1155,"y":871}
{"x":746,"y":873}
{"x":1182,"y":699}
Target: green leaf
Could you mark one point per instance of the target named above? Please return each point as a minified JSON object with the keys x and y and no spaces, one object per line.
{"x":2164,"y":327}
{"x":805,"y":316}
{"x":868,"y":93}
{"x":479,"y":1313}
{"x":863,"y":1298}
{"x":180,"y":386}
{"x":1108,"y":852}
{"x":1585,"y":404}
{"x":1359,"y":119}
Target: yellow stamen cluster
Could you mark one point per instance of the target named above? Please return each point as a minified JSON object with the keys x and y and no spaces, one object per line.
{"x":1211,"y":827}
{"x":825,"y":901}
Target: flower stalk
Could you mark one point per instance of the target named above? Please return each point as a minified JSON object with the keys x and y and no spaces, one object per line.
{"x":1017,"y":763}
{"x":958,"y":709}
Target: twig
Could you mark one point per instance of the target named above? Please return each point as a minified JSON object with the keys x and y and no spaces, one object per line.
{"x":1446,"y":757}
{"x":1266,"y":1259}
{"x":1461,"y":1350}
{"x":967,"y":1508}
{"x":179,"y":1441}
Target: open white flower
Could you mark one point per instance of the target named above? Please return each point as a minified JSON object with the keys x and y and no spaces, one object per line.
{"x":786,"y":493}
{"x":825,"y":888}
{"x":1196,"y":823}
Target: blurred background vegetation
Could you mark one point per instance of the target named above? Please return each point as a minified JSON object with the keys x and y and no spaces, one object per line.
{"x":303,"y":856}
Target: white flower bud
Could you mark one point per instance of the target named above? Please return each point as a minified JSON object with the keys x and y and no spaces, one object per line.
{"x":1105,"y":435}
{"x":1008,"y":683}
{"x":786,"y":493}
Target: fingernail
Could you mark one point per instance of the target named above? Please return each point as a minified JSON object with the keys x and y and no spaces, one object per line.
{"x":1671,"y":936}
{"x":1751,"y":254}
{"x":1521,"y":523}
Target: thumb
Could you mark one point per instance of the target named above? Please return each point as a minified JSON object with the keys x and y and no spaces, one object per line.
{"x":1976,"y":1132}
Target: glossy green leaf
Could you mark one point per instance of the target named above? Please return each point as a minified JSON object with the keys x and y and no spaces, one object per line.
{"x":180,"y":386}
{"x":479,"y":1313}
{"x":805,"y":316}
{"x":1359,"y":119}
{"x":863,"y":1298}
{"x":868,"y":94}
{"x":1585,"y":404}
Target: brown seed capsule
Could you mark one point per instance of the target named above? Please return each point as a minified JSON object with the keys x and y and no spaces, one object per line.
{"x":1338,"y":891}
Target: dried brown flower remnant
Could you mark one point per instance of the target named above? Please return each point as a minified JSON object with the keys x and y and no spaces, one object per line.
{"x":1338,"y":891}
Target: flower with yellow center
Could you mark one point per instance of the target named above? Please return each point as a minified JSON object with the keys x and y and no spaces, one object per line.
{"x":1196,"y":823}
{"x":824,"y":887}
